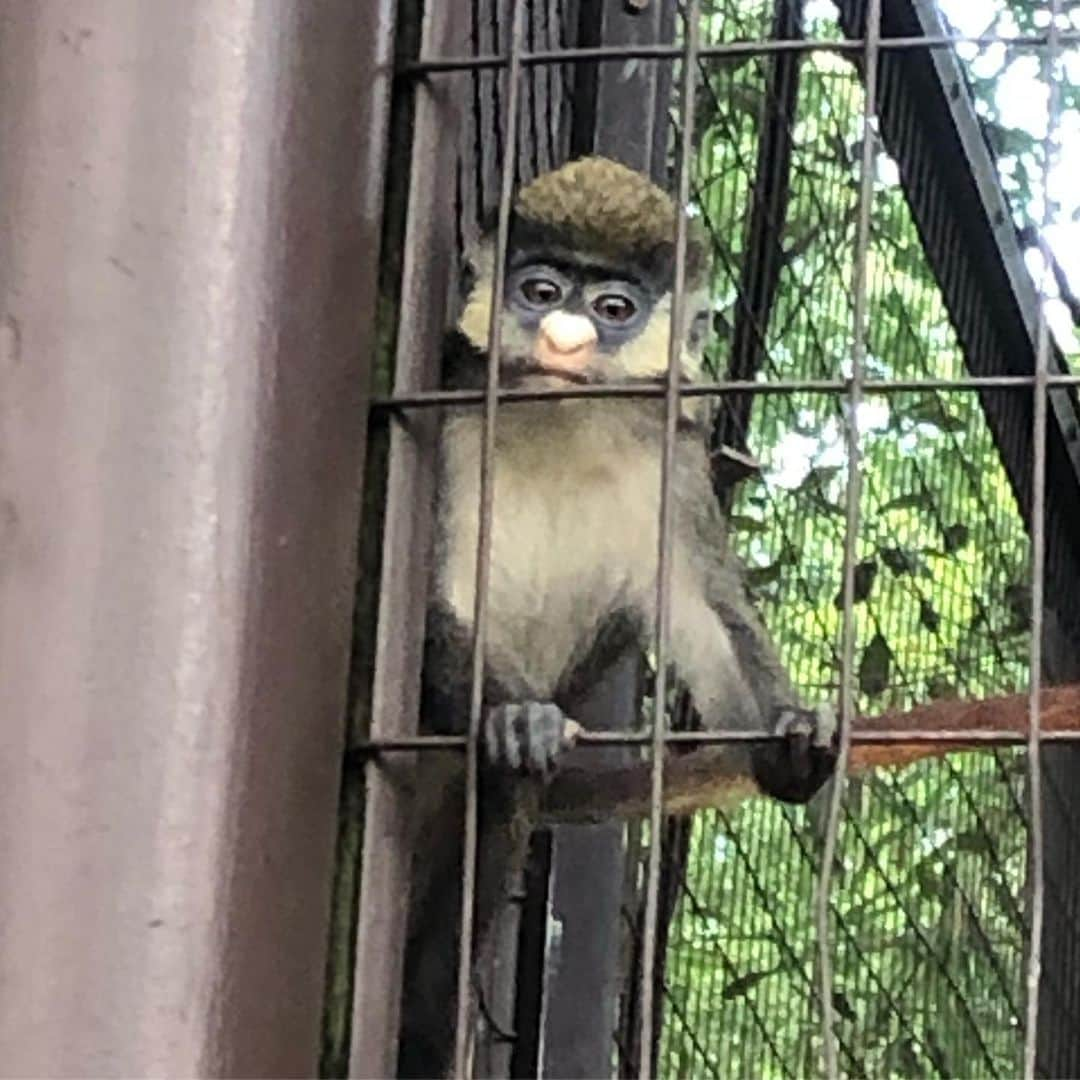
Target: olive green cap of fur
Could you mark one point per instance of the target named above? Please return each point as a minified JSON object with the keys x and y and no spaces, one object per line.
{"x":599,"y":205}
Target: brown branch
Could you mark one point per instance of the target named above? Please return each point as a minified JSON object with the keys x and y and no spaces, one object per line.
{"x":712,"y":776}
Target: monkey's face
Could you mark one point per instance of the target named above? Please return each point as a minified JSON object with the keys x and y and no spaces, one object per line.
{"x":574,"y":318}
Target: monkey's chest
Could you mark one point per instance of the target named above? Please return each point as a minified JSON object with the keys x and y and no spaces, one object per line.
{"x":573,"y":541}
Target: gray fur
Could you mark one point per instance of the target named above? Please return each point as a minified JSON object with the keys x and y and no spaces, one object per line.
{"x":574,"y":557}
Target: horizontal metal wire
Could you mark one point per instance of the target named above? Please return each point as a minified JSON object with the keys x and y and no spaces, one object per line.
{"x":433,"y":398}
{"x":592,"y":54}
{"x":928,"y":737}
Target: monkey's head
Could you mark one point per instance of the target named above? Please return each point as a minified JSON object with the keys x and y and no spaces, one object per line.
{"x":589,"y":274}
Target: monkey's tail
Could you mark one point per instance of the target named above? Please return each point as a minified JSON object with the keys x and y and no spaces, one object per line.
{"x":713,"y":777}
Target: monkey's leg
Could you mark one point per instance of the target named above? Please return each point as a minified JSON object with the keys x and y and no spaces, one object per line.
{"x":520,"y":744}
{"x":508,"y":808}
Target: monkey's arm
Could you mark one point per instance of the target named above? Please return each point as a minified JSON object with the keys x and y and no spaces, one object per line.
{"x":724,"y":653}
{"x":709,"y":777}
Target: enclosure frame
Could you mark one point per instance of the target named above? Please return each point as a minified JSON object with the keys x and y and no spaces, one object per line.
{"x":908,"y":36}
{"x":192,"y":200}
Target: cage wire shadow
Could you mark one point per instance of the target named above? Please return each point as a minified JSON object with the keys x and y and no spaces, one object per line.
{"x":710,"y":962}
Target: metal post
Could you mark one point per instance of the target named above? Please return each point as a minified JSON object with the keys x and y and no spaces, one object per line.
{"x":588,"y":862}
{"x":1059,"y":1040}
{"x":190,"y":199}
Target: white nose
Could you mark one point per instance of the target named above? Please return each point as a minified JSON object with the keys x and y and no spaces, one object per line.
{"x":566,"y":333}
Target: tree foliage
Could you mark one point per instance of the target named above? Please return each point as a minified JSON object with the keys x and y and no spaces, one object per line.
{"x":928,"y":923}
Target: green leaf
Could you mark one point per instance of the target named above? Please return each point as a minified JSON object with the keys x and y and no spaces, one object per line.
{"x":929,"y":617}
{"x":764,"y":575}
{"x":899,"y":561}
{"x":875,"y":666}
{"x":743,"y":984}
{"x":746,"y":524}
{"x":938,"y":687}
{"x":865,"y":574}
{"x":955,"y":537}
{"x":915,"y":500}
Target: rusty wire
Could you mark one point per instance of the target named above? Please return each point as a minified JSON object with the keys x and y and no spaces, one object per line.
{"x":848,"y":687}
{"x":1036,"y":867}
{"x":430,"y":399}
{"x":884,"y":737}
{"x":462,"y":1027}
{"x":672,"y":409}
{"x":761,"y":47}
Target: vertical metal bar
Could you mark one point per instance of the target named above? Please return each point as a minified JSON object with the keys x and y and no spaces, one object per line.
{"x":1059,"y":1039}
{"x":483,"y":552}
{"x":190,"y":204}
{"x":588,"y":867}
{"x":1036,"y":867}
{"x":614,"y":111}
{"x":692,"y":30}
{"x":854,"y":489}
{"x":623,"y":116}
{"x":381,"y":920}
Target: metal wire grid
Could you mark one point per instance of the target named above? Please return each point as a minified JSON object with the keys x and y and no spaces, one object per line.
{"x":734,"y":48}
{"x":760,"y":831}
{"x":855,"y":387}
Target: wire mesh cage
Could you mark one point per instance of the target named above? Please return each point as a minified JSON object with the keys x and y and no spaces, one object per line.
{"x":892,"y":342}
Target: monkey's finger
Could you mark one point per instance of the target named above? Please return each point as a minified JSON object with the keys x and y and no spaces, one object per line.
{"x":795,"y":722}
{"x":491,"y":736}
{"x":512,"y":726}
{"x":546,"y":724}
{"x":570,"y":732}
{"x":826,"y":728}
{"x":534,"y":739}
{"x":500,"y":740}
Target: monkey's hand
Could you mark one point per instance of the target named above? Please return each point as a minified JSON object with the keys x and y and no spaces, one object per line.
{"x":528,"y":737}
{"x":794,"y":767}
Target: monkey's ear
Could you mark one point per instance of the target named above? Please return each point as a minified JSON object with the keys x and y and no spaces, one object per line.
{"x":658,"y":262}
{"x":700,"y":324}
{"x":477,"y":266}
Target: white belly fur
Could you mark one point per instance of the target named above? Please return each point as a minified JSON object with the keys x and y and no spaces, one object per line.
{"x":574,"y":536}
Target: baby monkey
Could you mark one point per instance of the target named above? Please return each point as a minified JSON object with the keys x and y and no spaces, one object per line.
{"x":588,"y":281}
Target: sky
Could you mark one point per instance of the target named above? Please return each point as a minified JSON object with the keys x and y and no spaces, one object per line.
{"x":1022,"y":100}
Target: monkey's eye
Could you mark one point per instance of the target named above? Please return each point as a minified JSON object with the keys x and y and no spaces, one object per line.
{"x":541,"y":291}
{"x":614,"y":307}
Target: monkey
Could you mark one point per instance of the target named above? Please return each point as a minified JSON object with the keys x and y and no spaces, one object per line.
{"x":587,"y":301}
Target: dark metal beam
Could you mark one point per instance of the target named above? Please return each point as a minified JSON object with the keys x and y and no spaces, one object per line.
{"x":620,"y":111}
{"x":190,"y":203}
{"x":583,"y":974}
{"x":929,"y":125}
{"x":1059,"y":1027}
